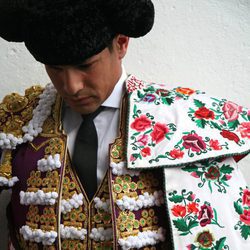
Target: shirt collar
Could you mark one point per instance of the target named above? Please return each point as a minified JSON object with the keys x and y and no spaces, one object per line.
{"x":114,"y":100}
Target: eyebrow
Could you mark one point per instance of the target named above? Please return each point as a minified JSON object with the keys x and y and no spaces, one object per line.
{"x":75,"y":65}
{"x":86,"y":62}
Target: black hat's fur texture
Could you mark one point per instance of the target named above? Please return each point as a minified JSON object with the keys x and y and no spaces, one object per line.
{"x":66,"y":32}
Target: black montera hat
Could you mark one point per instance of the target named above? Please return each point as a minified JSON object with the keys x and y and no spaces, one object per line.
{"x":64,"y":32}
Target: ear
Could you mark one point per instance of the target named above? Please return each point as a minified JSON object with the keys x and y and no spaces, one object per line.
{"x":121,"y":45}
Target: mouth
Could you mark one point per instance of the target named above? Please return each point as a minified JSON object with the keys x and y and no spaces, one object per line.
{"x":80,"y":100}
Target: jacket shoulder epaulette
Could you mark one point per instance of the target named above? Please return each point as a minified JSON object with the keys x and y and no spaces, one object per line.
{"x":16,"y":110}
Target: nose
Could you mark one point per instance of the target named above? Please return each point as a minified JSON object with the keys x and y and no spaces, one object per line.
{"x":73,"y":81}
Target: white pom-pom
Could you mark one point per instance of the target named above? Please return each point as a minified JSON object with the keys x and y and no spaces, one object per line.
{"x":75,"y":202}
{"x":120,"y":169}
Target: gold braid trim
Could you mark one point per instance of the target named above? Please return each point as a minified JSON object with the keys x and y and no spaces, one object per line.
{"x":5,"y":166}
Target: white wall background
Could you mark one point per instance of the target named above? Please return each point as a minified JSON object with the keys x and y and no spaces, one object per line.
{"x":203,"y":44}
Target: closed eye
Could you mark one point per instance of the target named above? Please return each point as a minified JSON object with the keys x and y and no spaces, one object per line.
{"x":83,"y":66}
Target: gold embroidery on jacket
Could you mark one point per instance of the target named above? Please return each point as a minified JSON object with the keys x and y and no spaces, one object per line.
{"x":76,"y":217}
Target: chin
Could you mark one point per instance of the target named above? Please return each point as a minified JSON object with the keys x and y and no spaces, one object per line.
{"x":84,"y":110}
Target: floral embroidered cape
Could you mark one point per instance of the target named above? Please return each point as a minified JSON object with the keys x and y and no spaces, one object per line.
{"x":197,"y":140}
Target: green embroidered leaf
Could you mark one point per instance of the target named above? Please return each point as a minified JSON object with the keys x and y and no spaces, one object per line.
{"x":199,"y":173}
{"x":201,"y":123}
{"x":210,"y":186}
{"x":184,"y":234}
{"x":167,"y":101}
{"x":192,"y":223}
{"x":233,"y":124}
{"x":179,"y":142}
{"x":135,"y":109}
{"x":215,"y":99}
{"x":191,"y":110}
{"x":192,"y":247}
{"x":244,"y":117}
{"x":150,"y":89}
{"x":149,"y":131}
{"x":190,"y":168}
{"x":224,"y":182}
{"x":215,"y":214}
{"x":137,"y":156}
{"x":245,"y":231}
{"x":220,"y":244}
{"x":166,"y":135}
{"x":176,"y":198}
{"x":238,"y":208}
{"x":248,"y":117}
{"x":181,"y":225}
{"x":139,"y":94}
{"x":161,"y":156}
{"x":215,"y":125}
{"x":135,"y":134}
{"x":198,"y":103}
{"x":226,"y":169}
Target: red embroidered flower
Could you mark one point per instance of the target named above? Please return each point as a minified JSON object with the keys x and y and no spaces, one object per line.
{"x":195,"y":175}
{"x":246,"y":197}
{"x":204,"y":113}
{"x":214,"y":144}
{"x":192,"y":196}
{"x":205,"y":239}
{"x":244,"y":129}
{"x":212,"y":173}
{"x":159,"y":132}
{"x":245,"y":217}
{"x":205,"y":215}
{"x":185,"y":91}
{"x":133,"y":84}
{"x":142,"y":140}
{"x":194,"y":142}
{"x":176,"y":153}
{"x":149,"y":98}
{"x":228,"y":177}
{"x":162,"y":92}
{"x":141,"y":123}
{"x":231,"y":111}
{"x":230,"y":135}
{"x":179,"y":211}
{"x":146,"y":152}
{"x":193,"y":207}
{"x":132,"y":158}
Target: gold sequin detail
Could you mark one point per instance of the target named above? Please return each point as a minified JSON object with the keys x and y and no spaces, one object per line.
{"x":49,"y":183}
{"x":15,"y":102}
{"x":117,"y":151}
{"x":33,"y":92}
{"x":72,"y":244}
{"x":56,"y":146}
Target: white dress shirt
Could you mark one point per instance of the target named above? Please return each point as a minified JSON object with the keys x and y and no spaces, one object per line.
{"x":106,"y":124}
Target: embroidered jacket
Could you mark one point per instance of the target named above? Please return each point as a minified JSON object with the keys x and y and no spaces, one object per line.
{"x":173,"y":181}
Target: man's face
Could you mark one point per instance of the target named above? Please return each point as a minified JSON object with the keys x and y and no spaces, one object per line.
{"x":86,"y":86}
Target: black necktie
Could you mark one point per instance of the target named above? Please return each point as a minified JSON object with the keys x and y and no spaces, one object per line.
{"x":85,"y":153}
